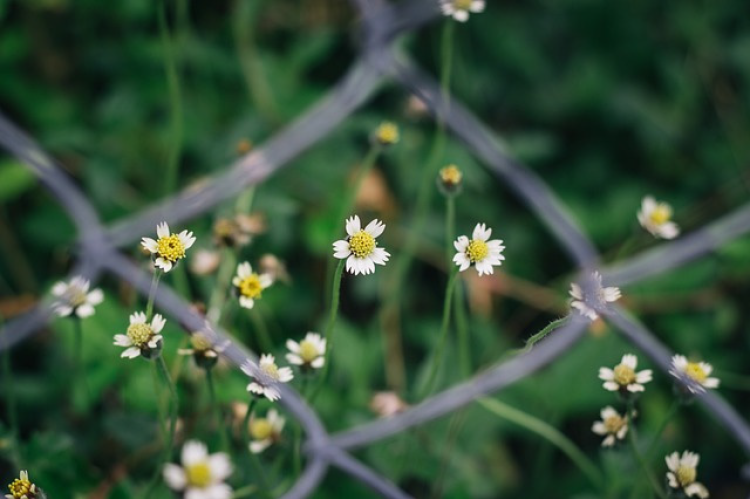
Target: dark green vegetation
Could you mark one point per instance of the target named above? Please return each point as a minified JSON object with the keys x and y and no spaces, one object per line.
{"x":606,"y":101}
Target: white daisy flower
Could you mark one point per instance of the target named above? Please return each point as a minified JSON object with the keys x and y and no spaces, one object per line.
{"x":655,"y":217}
{"x":169,"y":248}
{"x":267,"y":375}
{"x":623,"y":377}
{"x":478,"y":251}
{"x":682,"y":474}
{"x":612,"y":427}
{"x":308,"y":353}
{"x":75,"y":298}
{"x":265,"y":431}
{"x":602,"y":296}
{"x":22,"y":488}
{"x":141,"y":338}
{"x":459,"y":9}
{"x":250,"y":285}
{"x":695,"y":375}
{"x":360,"y":248}
{"x":201,"y":475}
{"x":204,"y":351}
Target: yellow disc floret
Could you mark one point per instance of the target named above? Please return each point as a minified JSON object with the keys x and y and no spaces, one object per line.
{"x":139,"y":334}
{"x":198,"y":475}
{"x":308,"y":351}
{"x":614,"y":423}
{"x":362,"y":244}
{"x":686,"y":475}
{"x":199,"y":342}
{"x":21,"y":487}
{"x":477,"y":250}
{"x":462,"y":4}
{"x":170,"y":248}
{"x":450,"y":176}
{"x":271,"y":369}
{"x":696,"y":372}
{"x":250,"y":286}
{"x":261,"y":429}
{"x":661,"y":214}
{"x":624,"y":375}
{"x":387,"y":133}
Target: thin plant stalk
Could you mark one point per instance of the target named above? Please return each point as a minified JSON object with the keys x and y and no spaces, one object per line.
{"x":462,"y":330}
{"x":264,"y":338}
{"x":221,"y":288}
{"x":261,"y":476}
{"x":216,"y":408}
{"x":655,"y":439}
{"x":79,"y":373}
{"x":641,"y":461}
{"x":164,"y":372}
{"x":152,"y":293}
{"x":10,"y":397}
{"x":329,"y":331}
{"x":438,"y":355}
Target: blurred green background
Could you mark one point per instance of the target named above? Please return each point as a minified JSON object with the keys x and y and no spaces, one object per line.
{"x":605,"y":101}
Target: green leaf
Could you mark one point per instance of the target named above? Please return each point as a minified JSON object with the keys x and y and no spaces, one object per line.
{"x":15,"y":179}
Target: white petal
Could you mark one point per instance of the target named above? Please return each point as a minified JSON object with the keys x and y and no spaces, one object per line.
{"x":59,"y":288}
{"x":461,"y":16}
{"x":630,"y":360}
{"x":318,"y":363}
{"x":611,"y":386}
{"x":95,"y":297}
{"x":599,"y":428}
{"x":295,"y":359}
{"x":122,"y":340}
{"x":380,"y":256}
{"x":84,"y":311}
{"x":265,"y":280}
{"x":63,"y":310}
{"x":149,"y":244}
{"x":162,"y":229}
{"x":575,"y":291}
{"x":477,"y":6}
{"x":218,"y":491}
{"x":244,"y":270}
{"x":461,"y":244}
{"x":131,"y":353}
{"x":193,"y":452}
{"x":271,"y":393}
{"x":481,"y":232}
{"x":258,"y":446}
{"x":186,"y":238}
{"x":163,"y":264}
{"x":285,"y":374}
{"x":375,"y":228}
{"x":673,"y":461}
{"x":292,"y":346}
{"x":353,"y":225}
{"x":157,"y":323}
{"x":174,"y":476}
{"x":246,"y":302}
{"x":606,"y":374}
{"x":221,"y":466}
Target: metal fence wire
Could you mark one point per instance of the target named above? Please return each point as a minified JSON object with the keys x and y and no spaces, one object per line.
{"x":381,"y":24}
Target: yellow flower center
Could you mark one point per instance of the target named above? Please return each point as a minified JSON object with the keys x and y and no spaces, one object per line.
{"x":75,"y":296}
{"x":308,"y":351}
{"x":271,"y":370}
{"x":250,"y":286}
{"x":198,"y":475}
{"x":450,"y":175}
{"x":686,"y":475}
{"x":170,"y":248}
{"x":261,"y":429}
{"x":462,"y":4}
{"x":387,"y":134}
{"x":477,"y":250}
{"x":362,"y":244}
{"x":19,"y":488}
{"x":696,"y":372}
{"x":200,"y":343}
{"x":139,"y":334}
{"x":661,"y":214}
{"x":624,"y":375}
{"x":614,"y":423}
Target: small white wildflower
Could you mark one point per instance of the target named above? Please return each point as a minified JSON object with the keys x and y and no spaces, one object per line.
{"x":360,"y":248}
{"x":459,"y":9}
{"x":655,"y":217}
{"x":602,"y":296}
{"x":201,"y":475}
{"x":265,"y":431}
{"x":612,"y":427}
{"x":308,"y":353}
{"x":694,"y":374}
{"x":141,"y":338}
{"x":682,"y":474}
{"x":387,"y":404}
{"x":266,"y":376}
{"x":623,"y":377}
{"x":205,"y":262}
{"x":169,"y":248}
{"x":22,"y":488}
{"x":250,"y":285}
{"x":75,"y":298}
{"x":478,"y":251}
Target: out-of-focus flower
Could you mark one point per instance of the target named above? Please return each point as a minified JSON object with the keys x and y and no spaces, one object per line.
{"x":612,"y":427}
{"x":479,"y":251}
{"x":623,"y":377}
{"x":386,"y":134}
{"x":266,"y":377}
{"x":601,"y":297}
{"x":450,"y":179}
{"x":249,"y":285}
{"x":274,"y":267}
{"x":459,"y":9}
{"x":695,"y":375}
{"x":75,"y":298}
{"x":308,"y":353}
{"x":265,"y":431}
{"x":683,"y":472}
{"x":142,"y":338}
{"x":204,"y":262}
{"x":656,"y":217}
{"x":168,"y":248}
{"x":201,"y":475}
{"x":203,"y":351}
{"x":360,"y":248}
{"x":387,"y":404}
{"x":23,"y":488}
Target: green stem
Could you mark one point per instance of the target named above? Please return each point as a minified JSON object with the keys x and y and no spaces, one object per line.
{"x":328,"y":334}
{"x":245,"y":201}
{"x":246,"y":491}
{"x":216,"y":409}
{"x":462,"y":326}
{"x":438,"y":355}
{"x":264,"y":339}
{"x":445,"y":73}
{"x":152,"y":293}
{"x":10,"y":396}
{"x":550,"y":433}
{"x":261,"y":476}
{"x":175,"y":100}
{"x":639,"y":458}
{"x":657,"y":435}
{"x":79,"y":374}
{"x":162,"y":366}
{"x":222,"y":285}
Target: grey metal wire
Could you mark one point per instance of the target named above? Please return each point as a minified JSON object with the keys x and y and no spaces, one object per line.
{"x":381,"y":23}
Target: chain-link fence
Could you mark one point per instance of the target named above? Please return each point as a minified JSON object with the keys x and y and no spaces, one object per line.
{"x":381,"y":23}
